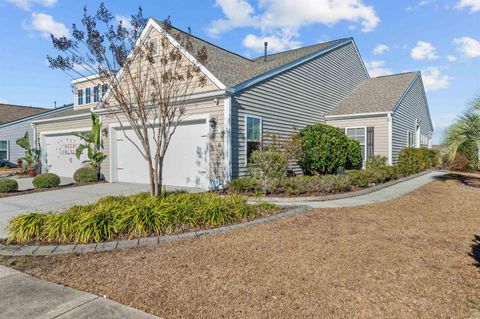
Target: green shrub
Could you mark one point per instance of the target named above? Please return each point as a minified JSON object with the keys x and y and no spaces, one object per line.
{"x":244,"y":185}
{"x":354,"y":155}
{"x":325,"y":149}
{"x":415,"y":160}
{"x":268,"y":168}
{"x":60,"y":227}
{"x":85,"y":175}
{"x":47,"y":180}
{"x":376,"y":161}
{"x":96,"y":225}
{"x":25,"y":228}
{"x":8,"y":186}
{"x":460,"y":163}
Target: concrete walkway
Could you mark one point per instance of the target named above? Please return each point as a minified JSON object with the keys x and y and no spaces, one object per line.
{"x":57,"y":200}
{"x":23,"y":296}
{"x":385,"y":194}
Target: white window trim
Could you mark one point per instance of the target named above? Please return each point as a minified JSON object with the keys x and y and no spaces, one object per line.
{"x":408,"y":138}
{"x":78,"y":96}
{"x":156,"y":39}
{"x":246,"y":133}
{"x":365,"y":136}
{"x":8,"y":149}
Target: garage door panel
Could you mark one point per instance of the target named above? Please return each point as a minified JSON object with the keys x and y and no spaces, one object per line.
{"x":60,"y":155}
{"x":185,"y":163}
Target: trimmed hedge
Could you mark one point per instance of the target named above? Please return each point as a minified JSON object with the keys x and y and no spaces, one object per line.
{"x":47,"y":180}
{"x":415,"y":160}
{"x":133,"y":216}
{"x":85,"y":175}
{"x":8,"y":186}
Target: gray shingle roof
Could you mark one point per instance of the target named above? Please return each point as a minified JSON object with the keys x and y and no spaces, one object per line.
{"x":233,"y":69}
{"x":69,"y":111}
{"x":379,"y":94}
{"x":10,"y":113}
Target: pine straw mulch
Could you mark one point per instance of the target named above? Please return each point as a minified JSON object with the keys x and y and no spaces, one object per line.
{"x":414,"y":257}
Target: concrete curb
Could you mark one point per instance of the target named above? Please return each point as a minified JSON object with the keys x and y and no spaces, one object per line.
{"x":35,"y":250}
{"x":336,"y":196}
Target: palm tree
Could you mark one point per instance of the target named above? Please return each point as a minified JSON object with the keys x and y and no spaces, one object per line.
{"x":464,"y":135}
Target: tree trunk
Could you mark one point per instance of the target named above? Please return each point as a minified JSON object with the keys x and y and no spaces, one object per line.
{"x":151,"y":175}
{"x":159,"y":181}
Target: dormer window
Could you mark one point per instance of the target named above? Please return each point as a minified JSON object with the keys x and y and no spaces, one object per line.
{"x":88,"y":96}
{"x":80,"y":97}
{"x":153,"y":45}
{"x":96,"y":94}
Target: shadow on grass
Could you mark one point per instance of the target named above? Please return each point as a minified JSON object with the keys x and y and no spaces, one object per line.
{"x":476,"y":250}
{"x":468,"y":180}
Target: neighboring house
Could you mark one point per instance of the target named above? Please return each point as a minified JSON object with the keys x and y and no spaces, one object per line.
{"x":15,"y":121}
{"x":245,"y":102}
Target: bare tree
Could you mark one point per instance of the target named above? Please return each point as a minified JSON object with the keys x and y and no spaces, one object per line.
{"x":149,"y":82}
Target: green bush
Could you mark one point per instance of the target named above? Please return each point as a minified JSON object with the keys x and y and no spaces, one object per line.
{"x":244,"y":185}
{"x":415,"y":160}
{"x":85,"y":175}
{"x":376,"y":161}
{"x":8,"y":186}
{"x":325,"y":149}
{"x":354,"y":155}
{"x":47,"y":180}
{"x":268,"y":168}
{"x":132,"y":216}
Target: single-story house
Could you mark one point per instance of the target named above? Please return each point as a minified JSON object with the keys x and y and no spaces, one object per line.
{"x":15,"y":121}
{"x":247,"y":101}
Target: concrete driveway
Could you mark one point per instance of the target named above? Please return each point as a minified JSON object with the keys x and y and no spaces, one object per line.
{"x":57,"y":200}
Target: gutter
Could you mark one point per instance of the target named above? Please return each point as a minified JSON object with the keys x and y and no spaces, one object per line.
{"x":357,"y":115}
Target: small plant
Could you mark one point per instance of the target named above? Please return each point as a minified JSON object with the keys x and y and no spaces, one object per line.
{"x":96,"y":225}
{"x":60,"y":227}
{"x":31,"y":154}
{"x":245,"y":185}
{"x":8,"y":186}
{"x":25,"y":228}
{"x":92,"y":144}
{"x":376,"y":161}
{"x":268,"y":168}
{"x":47,"y":180}
{"x":85,"y":175}
{"x":415,"y":160}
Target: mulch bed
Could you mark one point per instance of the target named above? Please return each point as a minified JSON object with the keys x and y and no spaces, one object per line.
{"x":413,"y":257}
{"x":39,"y":190}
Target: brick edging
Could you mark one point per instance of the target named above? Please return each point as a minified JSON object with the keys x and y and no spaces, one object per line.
{"x":337,"y":196}
{"x":46,"y":250}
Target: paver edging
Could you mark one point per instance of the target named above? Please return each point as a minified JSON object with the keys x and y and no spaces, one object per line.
{"x":337,"y":196}
{"x":35,"y":250}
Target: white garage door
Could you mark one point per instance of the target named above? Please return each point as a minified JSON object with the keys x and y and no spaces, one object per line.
{"x":60,"y":154}
{"x":185,"y":161}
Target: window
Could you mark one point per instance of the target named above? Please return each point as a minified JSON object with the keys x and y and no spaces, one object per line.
{"x":253,"y":134}
{"x":358,"y":134}
{"x":153,"y":43}
{"x":410,"y":139}
{"x":4,"y":150}
{"x":87,"y":96}
{"x":80,"y":97}
{"x":96,"y":95}
{"x":104,"y":89}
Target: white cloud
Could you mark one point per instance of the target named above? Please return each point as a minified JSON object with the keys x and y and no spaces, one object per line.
{"x":28,"y":4}
{"x":46,"y":25}
{"x":424,"y":51}
{"x":434,"y":80}
{"x":125,"y":21}
{"x":451,"y":58}
{"x":468,"y":47}
{"x":380,"y":49}
{"x":442,"y":122}
{"x":473,"y":5}
{"x":3,"y":101}
{"x":275,"y":43}
{"x":377,"y":68}
{"x":275,"y":18}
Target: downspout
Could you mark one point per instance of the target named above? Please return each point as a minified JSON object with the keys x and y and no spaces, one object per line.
{"x":390,"y":136}
{"x":227,"y":140}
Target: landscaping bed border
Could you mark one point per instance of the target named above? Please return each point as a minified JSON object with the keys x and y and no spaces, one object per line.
{"x":294,"y":199}
{"x":46,"y":250}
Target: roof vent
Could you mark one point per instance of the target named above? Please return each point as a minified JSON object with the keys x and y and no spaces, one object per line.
{"x":265,"y":54}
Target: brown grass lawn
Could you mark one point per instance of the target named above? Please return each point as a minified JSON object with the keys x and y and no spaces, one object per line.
{"x":407,"y":258}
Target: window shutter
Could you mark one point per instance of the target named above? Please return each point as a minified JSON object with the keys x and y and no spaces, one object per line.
{"x":370,"y":142}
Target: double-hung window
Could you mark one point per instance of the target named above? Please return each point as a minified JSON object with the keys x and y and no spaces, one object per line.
{"x":88,"y":95}
{"x":153,"y":43}
{"x":96,"y":93}
{"x":80,"y":97}
{"x":253,"y":134}
{"x":104,"y":89}
{"x":359,"y":134}
{"x":410,"y":139}
{"x":4,"y":150}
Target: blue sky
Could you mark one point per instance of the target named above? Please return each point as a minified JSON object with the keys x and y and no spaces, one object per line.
{"x":439,"y":37}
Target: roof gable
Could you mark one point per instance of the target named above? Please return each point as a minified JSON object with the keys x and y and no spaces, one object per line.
{"x":376,"y":95}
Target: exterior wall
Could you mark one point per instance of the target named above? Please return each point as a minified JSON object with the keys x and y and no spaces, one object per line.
{"x":295,"y":98}
{"x":414,"y":106}
{"x":209,"y":107}
{"x":13,"y":132}
{"x":380,"y":124}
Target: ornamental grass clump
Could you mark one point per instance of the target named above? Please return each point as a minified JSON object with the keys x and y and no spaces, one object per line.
{"x":25,"y":228}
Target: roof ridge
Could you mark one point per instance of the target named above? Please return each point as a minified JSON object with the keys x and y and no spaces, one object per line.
{"x":300,"y":48}
{"x":395,"y":74}
{"x":23,"y":106}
